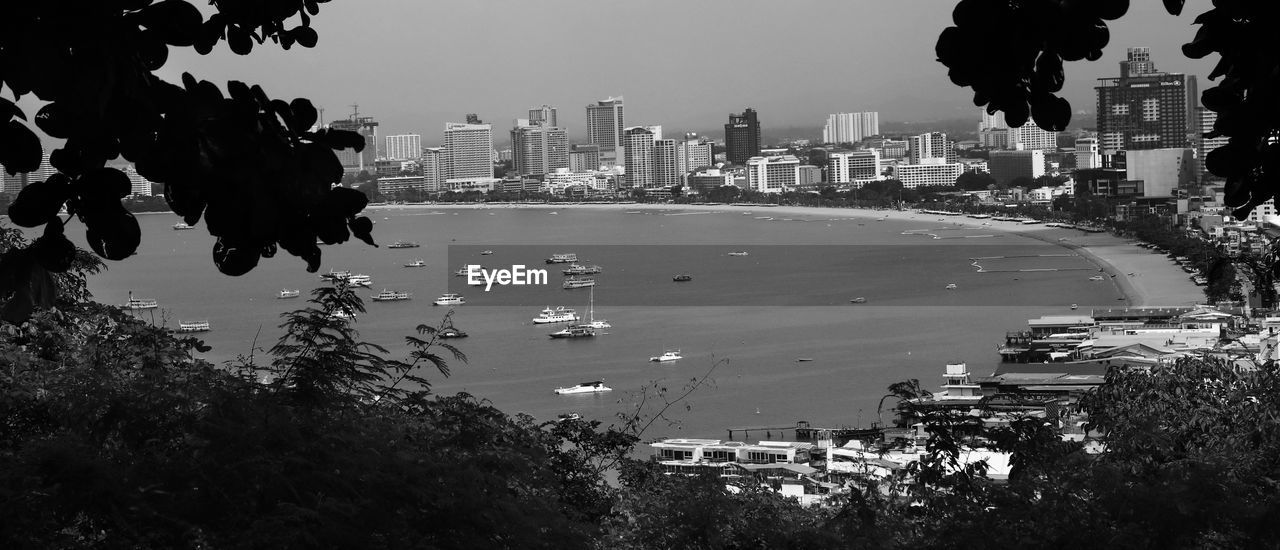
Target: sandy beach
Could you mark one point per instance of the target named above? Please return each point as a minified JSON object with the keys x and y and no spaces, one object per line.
{"x":1144,"y":277}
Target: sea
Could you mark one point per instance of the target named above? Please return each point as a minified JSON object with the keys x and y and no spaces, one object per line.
{"x":773,"y":335}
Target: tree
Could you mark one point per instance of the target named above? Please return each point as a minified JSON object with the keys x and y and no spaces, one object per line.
{"x":974,"y":181}
{"x":370,"y":190}
{"x":246,"y":164}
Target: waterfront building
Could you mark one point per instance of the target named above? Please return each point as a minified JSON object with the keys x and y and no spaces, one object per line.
{"x":934,"y":174}
{"x":584,"y":157}
{"x":1203,"y":145}
{"x":481,"y":184}
{"x":430,"y":166}
{"x":399,"y":184}
{"x":543,"y":116}
{"x":773,"y":174}
{"x":667,"y":172}
{"x":705,"y":181}
{"x":1088,"y":154}
{"x":138,"y":185}
{"x":809,"y":175}
{"x":1144,"y":108}
{"x":605,"y":126}
{"x":12,"y":184}
{"x":929,"y":148}
{"x":404,"y":146}
{"x":1006,"y":166}
{"x":742,"y":136}
{"x":693,"y":153}
{"x":638,"y":155}
{"x":354,"y":162}
{"x":1162,"y":171}
{"x":468,"y":151}
{"x":847,"y":166}
{"x":851,"y":127}
{"x":539,"y":149}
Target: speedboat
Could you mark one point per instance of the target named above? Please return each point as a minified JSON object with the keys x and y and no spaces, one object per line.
{"x":564,"y":417}
{"x":416,"y":263}
{"x":858,"y":300}
{"x":449,"y":299}
{"x":576,"y":331}
{"x":286,"y":293}
{"x":951,"y":286}
{"x":141,"y":303}
{"x":193,"y":326}
{"x":180,"y":226}
{"x":486,"y":252}
{"x":585,"y":387}
{"x":560,"y":314}
{"x":669,"y":355}
{"x":1096,"y":278}
{"x":389,"y":296}
{"x":578,"y":282}
{"x":342,"y":314}
{"x":562,"y":258}
{"x":682,"y":278}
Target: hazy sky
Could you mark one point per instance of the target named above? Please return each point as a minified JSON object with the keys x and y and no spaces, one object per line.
{"x":684,"y":64}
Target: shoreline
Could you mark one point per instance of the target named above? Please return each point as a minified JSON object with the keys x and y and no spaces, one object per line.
{"x":1141,"y":277}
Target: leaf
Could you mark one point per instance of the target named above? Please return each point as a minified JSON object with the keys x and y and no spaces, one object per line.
{"x":113,"y":232}
{"x":232,"y":259}
{"x":39,"y":202}
{"x":306,"y":36}
{"x":340,"y":139}
{"x":8,"y":110}
{"x":362,"y":228}
{"x":1174,"y":7}
{"x":304,"y":115}
{"x":176,"y":22}
{"x":20,"y":148}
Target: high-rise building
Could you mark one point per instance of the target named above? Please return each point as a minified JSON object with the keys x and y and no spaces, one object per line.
{"x":13,"y":184}
{"x":367,"y":127}
{"x":538,"y":150}
{"x":933,"y":147}
{"x":432,"y":162}
{"x":851,"y":127}
{"x":544,"y":116}
{"x":1031,"y":138}
{"x":1203,"y":146}
{"x":1006,"y":166}
{"x":638,"y":144}
{"x":138,"y":185}
{"x":666,"y":165}
{"x":1162,"y":171}
{"x":1088,"y":156}
{"x":847,"y":166}
{"x":991,"y":121}
{"x":1144,"y":108}
{"x":404,"y":146}
{"x":584,"y":157}
{"x":773,"y":174}
{"x":605,"y":125}
{"x":742,"y":137}
{"x":468,"y":151}
{"x":693,"y":153}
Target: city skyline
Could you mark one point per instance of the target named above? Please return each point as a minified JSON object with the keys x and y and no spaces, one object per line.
{"x":751,"y":66}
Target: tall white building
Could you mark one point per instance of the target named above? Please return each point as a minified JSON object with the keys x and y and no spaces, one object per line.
{"x":930,"y":148}
{"x":1206,"y":119}
{"x":666,"y":164}
{"x":138,"y":185}
{"x":638,"y":154}
{"x":1030,"y":137}
{"x":1088,"y":154}
{"x":845,"y":167}
{"x":544,"y":115}
{"x":605,"y":125}
{"x":468,"y":151}
{"x":432,"y":167}
{"x":539,"y":149}
{"x":693,"y":153}
{"x":991,"y":122}
{"x":404,"y":146}
{"x":773,"y":174}
{"x":851,"y":127}
{"x":934,"y":174}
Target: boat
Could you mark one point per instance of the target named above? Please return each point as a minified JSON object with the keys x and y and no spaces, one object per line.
{"x":416,"y":263}
{"x":180,"y":226}
{"x":1096,"y":278}
{"x":342,"y":314}
{"x":389,"y":296}
{"x":564,"y":417}
{"x":465,"y":271}
{"x":858,"y":300}
{"x":486,"y":252}
{"x":578,"y":282}
{"x":669,"y":355}
{"x":951,"y":286}
{"x":286,"y":294}
{"x":335,"y":276}
{"x":592,"y":322}
{"x":141,"y":303}
{"x":449,"y":299}
{"x":682,"y":278}
{"x":193,"y":326}
{"x":575,"y":331}
{"x":563,"y":258}
{"x":359,"y":280}
{"x":1074,"y":306}
{"x":450,"y":332}
{"x":739,"y":253}
{"x":560,"y":314}
{"x":803,"y":359}
{"x":575,"y":269}
{"x":585,"y":387}
{"x":403,"y":244}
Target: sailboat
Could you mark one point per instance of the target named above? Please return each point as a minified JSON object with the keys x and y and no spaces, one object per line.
{"x":592,"y":322}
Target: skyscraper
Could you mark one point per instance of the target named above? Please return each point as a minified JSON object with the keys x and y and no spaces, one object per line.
{"x":605,"y":125}
{"x":1030,"y":137}
{"x":367,"y":127}
{"x":693,"y":153}
{"x":639,"y":143}
{"x":851,"y":127}
{"x":666,"y":164}
{"x":538,"y":149}
{"x":930,"y":148}
{"x":1206,"y":118}
{"x":468,"y":151}
{"x":742,"y":136}
{"x":404,"y":146}
{"x":544,"y":115}
{"x":1144,"y":108}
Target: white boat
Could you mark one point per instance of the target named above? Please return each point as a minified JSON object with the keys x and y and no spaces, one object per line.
{"x":951,"y":286}
{"x":416,"y":263}
{"x":449,"y":299}
{"x":669,"y":355}
{"x":858,"y":300}
{"x":560,"y":314}
{"x":286,"y":294}
{"x":739,"y":253}
{"x":463,"y":271}
{"x":141,"y":303}
{"x":575,"y":269}
{"x":592,"y":322}
{"x":359,"y":280}
{"x":486,"y":252}
{"x":341,"y":314}
{"x":1096,"y":278}
{"x":562,"y":258}
{"x":389,"y":296}
{"x":575,"y":331}
{"x":585,"y":387}
{"x":193,"y":326}
{"x":335,"y":276}
{"x":403,"y":244}
{"x":180,"y":226}
{"x":578,"y":282}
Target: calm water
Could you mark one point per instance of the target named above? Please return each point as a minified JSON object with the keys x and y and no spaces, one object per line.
{"x":758,"y":314}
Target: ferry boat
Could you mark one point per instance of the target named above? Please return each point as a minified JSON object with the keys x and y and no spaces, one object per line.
{"x":403,"y":244}
{"x":562,"y":259}
{"x":141,"y":303}
{"x":576,"y":331}
{"x":181,"y":226}
{"x":389,"y":296}
{"x":560,"y":314}
{"x":578,"y":282}
{"x":449,"y":299}
{"x":585,"y":387}
{"x":193,"y":326}
{"x":739,"y":253}
{"x":359,"y":280}
{"x":341,"y":314}
{"x":951,"y":286}
{"x":450,"y":332}
{"x":669,"y":355}
{"x":416,"y":263}
{"x":335,"y":276}
{"x":682,"y":278}
{"x":575,"y":269}
{"x":463,"y":271}
{"x":286,"y":294}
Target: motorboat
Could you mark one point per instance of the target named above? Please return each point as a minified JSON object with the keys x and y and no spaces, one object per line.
{"x":449,"y":299}
{"x":951,"y":286}
{"x":416,"y":263}
{"x":389,"y":296}
{"x":564,"y":417}
{"x":193,"y":326}
{"x":858,"y":300}
{"x":403,"y":244}
{"x":341,"y":315}
{"x":562,"y":258}
{"x":141,"y":303}
{"x":560,"y":314}
{"x":575,"y":269}
{"x":286,"y":294}
{"x":682,"y":278}
{"x":335,"y":276}
{"x":450,"y":332}
{"x":576,"y":331}
{"x":585,"y":387}
{"x":739,"y":253}
{"x":1074,"y":307}
{"x":669,"y":355}
{"x":180,"y":226}
{"x":1096,"y":278}
{"x":578,"y":282}
{"x":486,"y":252}
{"x":359,"y":280}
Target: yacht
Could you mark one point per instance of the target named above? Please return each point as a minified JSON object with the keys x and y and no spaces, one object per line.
{"x":141,"y":303}
{"x":403,"y":244}
{"x":449,"y":299}
{"x":575,"y":269}
{"x":669,"y":355}
{"x":578,"y":282}
{"x":389,"y":296}
{"x":739,"y":253}
{"x":560,"y":314}
{"x":286,"y":294}
{"x":450,"y":332}
{"x":682,"y":278}
{"x":951,"y":286}
{"x":858,"y":300}
{"x":359,"y":280}
{"x":416,"y":263}
{"x":181,"y":226}
{"x":575,"y":331}
{"x":486,"y":252}
{"x":592,"y":322}
{"x":193,"y":326}
{"x":562,"y":258}
{"x":335,"y":276}
{"x":341,"y":314}
{"x":585,"y":387}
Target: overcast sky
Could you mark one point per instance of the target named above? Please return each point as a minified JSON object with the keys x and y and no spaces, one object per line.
{"x":684,"y":64}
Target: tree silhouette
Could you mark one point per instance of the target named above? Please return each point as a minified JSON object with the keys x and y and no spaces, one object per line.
{"x":1022,"y":78}
{"x":252,"y":167}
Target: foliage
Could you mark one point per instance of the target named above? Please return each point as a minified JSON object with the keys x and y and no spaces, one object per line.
{"x":975,"y":181}
{"x":250,"y":166}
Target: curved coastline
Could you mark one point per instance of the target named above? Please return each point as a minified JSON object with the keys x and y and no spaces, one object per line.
{"x":1140,"y":277}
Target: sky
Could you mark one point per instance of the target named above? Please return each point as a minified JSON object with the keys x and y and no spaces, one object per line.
{"x":684,"y":64}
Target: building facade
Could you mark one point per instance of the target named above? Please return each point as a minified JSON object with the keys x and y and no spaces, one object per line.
{"x":538,"y":149}
{"x":543,"y":116}
{"x":638,"y":144}
{"x":710,"y":179}
{"x":352,"y":161}
{"x":1088,"y":154}
{"x":847,"y":166}
{"x":584,"y":157}
{"x":773,"y":174}
{"x":1006,"y":166}
{"x":930,"y":147}
{"x":1162,"y":171}
{"x":468,"y":151}
{"x":1032,"y":138}
{"x":605,"y":124}
{"x":1143,"y":108}
{"x":939,"y":174}
{"x":851,"y":127}
{"x":1203,"y":145}
{"x":404,"y":147}
{"x":742,"y":136}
